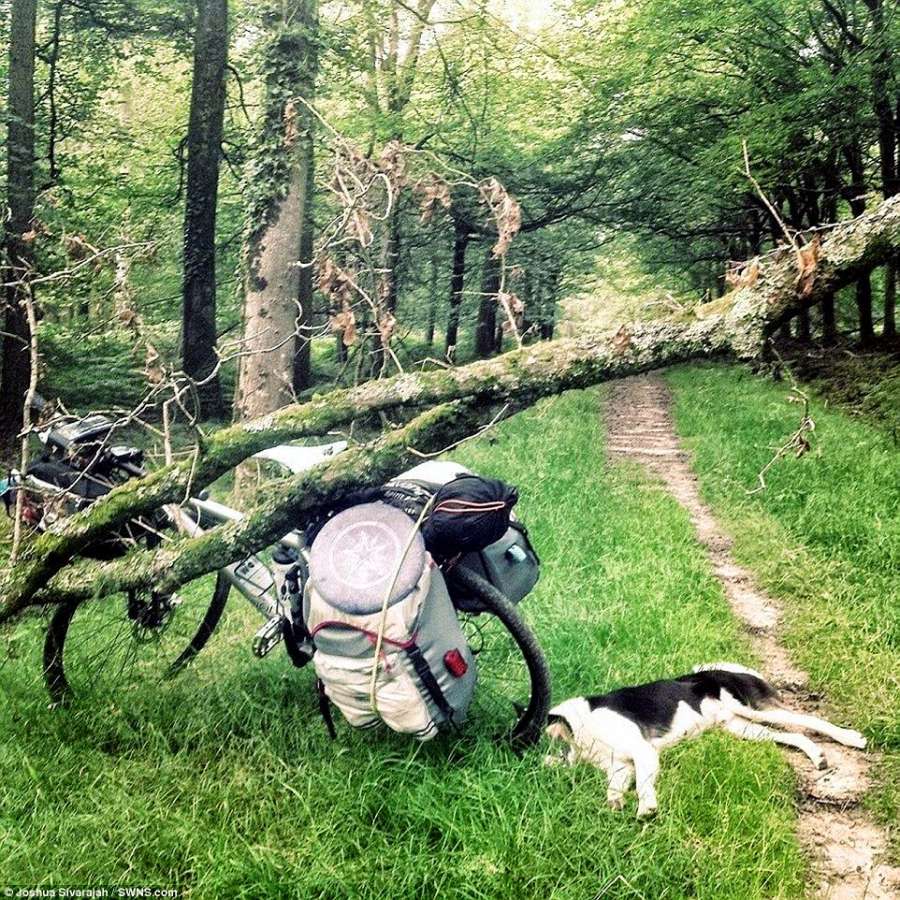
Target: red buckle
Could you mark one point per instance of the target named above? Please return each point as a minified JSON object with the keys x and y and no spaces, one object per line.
{"x":455,"y":663}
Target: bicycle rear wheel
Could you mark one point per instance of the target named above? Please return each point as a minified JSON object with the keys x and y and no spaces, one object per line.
{"x":513,"y":693}
{"x":103,"y":647}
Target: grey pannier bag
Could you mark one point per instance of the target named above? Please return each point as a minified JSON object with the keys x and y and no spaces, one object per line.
{"x":424,"y":672}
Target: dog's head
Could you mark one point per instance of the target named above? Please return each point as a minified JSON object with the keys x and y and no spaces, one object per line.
{"x":565,"y":720}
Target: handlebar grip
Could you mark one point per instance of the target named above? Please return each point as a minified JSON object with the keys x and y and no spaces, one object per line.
{"x":132,"y":469}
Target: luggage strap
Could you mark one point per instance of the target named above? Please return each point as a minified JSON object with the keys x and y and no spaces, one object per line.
{"x":382,"y":624}
{"x":429,"y":682}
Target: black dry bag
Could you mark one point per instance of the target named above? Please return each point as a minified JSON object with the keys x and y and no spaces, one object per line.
{"x":468,"y":513}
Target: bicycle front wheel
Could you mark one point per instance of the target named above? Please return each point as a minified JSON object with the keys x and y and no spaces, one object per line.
{"x":100,"y":648}
{"x":512,"y":696}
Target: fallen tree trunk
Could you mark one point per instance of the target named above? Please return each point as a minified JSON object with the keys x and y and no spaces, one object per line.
{"x":277,"y":510}
{"x":772,"y":291}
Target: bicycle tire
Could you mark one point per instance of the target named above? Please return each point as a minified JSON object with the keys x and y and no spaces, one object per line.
{"x":532,"y":716}
{"x":56,"y":662}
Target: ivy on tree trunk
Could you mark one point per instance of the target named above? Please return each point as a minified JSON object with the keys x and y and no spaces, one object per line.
{"x":278,"y":186}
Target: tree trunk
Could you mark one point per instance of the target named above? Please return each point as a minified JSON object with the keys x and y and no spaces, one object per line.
{"x":52,"y":77}
{"x":303,"y":345}
{"x":857,"y":201}
{"x":432,"y":301}
{"x":204,"y":141}
{"x":864,"y":309}
{"x":881,"y":73}
{"x":457,"y":281}
{"x":486,"y":325}
{"x":548,"y":303}
{"x":829,"y":320}
{"x":751,"y":314}
{"x":889,"y":328}
{"x":390,"y":257}
{"x":804,"y":329}
{"x":16,"y":370}
{"x":527,"y":294}
{"x":277,"y":184}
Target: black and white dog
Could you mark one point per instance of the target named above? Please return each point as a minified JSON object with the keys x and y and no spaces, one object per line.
{"x":623,"y":731}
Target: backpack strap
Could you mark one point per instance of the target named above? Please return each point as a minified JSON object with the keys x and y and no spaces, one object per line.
{"x":325,"y":709}
{"x":429,"y":682}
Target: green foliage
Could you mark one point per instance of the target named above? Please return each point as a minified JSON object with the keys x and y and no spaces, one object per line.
{"x":865,"y":384}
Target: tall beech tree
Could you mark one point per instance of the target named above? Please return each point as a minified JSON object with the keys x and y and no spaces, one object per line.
{"x":18,"y":234}
{"x":303,"y":341}
{"x":204,"y":142}
{"x":486,"y":324}
{"x":461,"y":238}
{"x":278,"y":186}
{"x":886,"y":103}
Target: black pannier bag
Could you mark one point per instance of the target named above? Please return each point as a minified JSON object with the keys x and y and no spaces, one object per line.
{"x":488,"y":540}
{"x":79,"y":489}
{"x":82,"y":486}
{"x":467,"y":514}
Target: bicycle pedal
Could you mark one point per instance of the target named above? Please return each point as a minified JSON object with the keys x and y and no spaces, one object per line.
{"x":267,"y":638}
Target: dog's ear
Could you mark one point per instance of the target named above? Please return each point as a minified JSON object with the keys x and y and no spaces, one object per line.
{"x":558,"y":728}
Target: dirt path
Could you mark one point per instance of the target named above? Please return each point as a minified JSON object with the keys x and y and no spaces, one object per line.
{"x":844,"y":844}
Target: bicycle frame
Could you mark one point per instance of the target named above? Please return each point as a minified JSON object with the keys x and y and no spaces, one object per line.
{"x":259,"y":584}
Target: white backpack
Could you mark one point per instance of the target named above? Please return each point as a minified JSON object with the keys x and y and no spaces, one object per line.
{"x":424,"y":673}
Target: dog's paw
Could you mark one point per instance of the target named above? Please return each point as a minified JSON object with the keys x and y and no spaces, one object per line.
{"x":646,"y":811}
{"x":617,"y":803}
{"x":853,"y":739}
{"x":554,"y":759}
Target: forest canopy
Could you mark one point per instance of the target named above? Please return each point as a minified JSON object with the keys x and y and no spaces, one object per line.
{"x":641,"y":140}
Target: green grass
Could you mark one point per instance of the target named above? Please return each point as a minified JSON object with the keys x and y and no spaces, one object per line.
{"x":224,"y":783}
{"x":824,"y":537}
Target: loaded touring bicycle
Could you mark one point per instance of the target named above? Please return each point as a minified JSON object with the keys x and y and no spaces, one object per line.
{"x":407,"y":616}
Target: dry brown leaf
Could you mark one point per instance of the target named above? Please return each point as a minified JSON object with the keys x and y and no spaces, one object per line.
{"x":344,"y":324}
{"x":153,"y":370}
{"x":434,"y":193}
{"x":622,"y":340}
{"x":505,"y":210}
{"x":751,"y":272}
{"x":76,"y":246}
{"x":743,"y":274}
{"x":392,"y":163}
{"x":387,"y":325}
{"x":807,"y":262}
